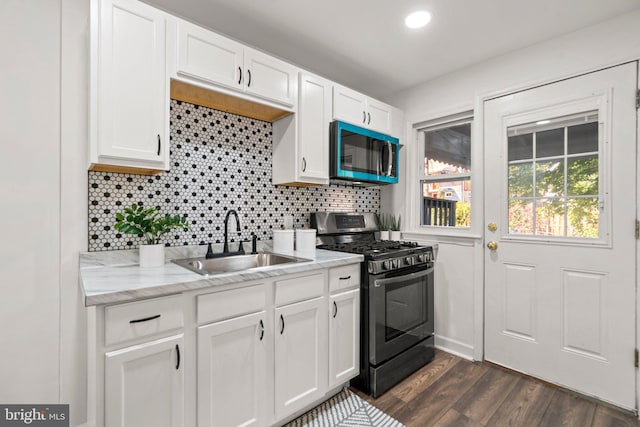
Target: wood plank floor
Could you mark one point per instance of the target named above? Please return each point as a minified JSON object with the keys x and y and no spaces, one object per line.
{"x":451,"y":391}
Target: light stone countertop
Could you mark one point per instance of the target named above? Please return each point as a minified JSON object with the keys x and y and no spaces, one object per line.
{"x":115,"y":276}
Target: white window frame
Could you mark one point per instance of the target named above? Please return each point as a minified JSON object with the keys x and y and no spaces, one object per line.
{"x":415,"y":173}
{"x":599,"y":102}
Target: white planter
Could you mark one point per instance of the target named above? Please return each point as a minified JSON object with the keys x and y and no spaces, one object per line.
{"x":395,"y":235}
{"x":152,"y":255}
{"x":384,"y":235}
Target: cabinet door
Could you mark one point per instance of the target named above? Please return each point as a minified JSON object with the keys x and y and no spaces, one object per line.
{"x":344,"y":337}
{"x":269,"y":78}
{"x":314,"y":111}
{"x":132,"y":99}
{"x":144,"y":385}
{"x":378,"y":116}
{"x":208,"y":56}
{"x":349,"y":106}
{"x":300,"y":355}
{"x":232,"y":367}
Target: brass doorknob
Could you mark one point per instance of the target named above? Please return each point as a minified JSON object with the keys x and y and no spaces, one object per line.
{"x":492,"y":245}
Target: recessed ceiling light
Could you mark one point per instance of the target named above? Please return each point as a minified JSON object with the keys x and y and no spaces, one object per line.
{"x":417,"y":19}
{"x":543,"y":122}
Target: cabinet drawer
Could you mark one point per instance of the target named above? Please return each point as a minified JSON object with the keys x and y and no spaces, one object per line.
{"x":227,"y":304}
{"x":135,"y":320}
{"x":344,"y":277}
{"x":299,"y":289}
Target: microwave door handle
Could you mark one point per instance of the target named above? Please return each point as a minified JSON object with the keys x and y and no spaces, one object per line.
{"x":390,"y":165}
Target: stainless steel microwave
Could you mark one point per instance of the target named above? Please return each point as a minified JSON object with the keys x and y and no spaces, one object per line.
{"x":361,"y":155}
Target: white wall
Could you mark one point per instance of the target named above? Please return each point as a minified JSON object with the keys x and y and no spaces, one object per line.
{"x":43,"y":82}
{"x":30,"y":201}
{"x":459,"y":281}
{"x":74,"y":130}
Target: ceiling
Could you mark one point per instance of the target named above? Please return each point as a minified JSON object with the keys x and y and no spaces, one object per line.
{"x":363,"y":44}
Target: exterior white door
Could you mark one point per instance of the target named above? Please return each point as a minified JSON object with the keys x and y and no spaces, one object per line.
{"x":560,"y":264}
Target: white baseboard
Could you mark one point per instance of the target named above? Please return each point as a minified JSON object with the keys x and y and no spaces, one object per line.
{"x":454,"y":347}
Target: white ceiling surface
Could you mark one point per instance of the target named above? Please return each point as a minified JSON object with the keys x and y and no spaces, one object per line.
{"x":363,"y":44}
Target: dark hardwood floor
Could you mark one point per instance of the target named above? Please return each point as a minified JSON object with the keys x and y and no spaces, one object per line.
{"x":451,"y":391}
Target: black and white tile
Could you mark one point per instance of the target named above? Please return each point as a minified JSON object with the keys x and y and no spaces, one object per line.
{"x":219,"y":161}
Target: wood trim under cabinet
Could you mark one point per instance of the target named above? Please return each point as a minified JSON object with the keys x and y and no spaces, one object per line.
{"x":185,"y":92}
{"x":123,"y":169}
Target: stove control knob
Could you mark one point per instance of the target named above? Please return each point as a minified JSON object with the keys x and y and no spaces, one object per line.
{"x":395,"y":263}
{"x":386,"y":265}
{"x":408,"y":260}
{"x":421,"y":258}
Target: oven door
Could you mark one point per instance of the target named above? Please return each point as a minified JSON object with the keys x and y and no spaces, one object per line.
{"x":400,"y":312}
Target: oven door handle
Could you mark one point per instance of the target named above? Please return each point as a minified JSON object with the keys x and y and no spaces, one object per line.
{"x":382,"y":282}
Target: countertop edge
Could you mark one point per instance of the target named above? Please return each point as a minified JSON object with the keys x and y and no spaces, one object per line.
{"x":91,"y":276}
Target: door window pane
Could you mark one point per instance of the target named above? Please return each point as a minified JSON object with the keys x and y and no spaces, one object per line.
{"x":549,"y":217}
{"x":521,"y":147}
{"x":562,"y":197}
{"x":582,"y":176}
{"x":520,"y":217}
{"x":583,"y":216}
{"x":583,"y":138}
{"x":550,"y":143}
{"x":550,"y":178}
{"x":521,"y":180}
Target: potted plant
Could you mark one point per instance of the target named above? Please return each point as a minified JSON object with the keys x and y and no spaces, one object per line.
{"x":384,"y":227}
{"x":395,"y":227}
{"x":150,"y":224}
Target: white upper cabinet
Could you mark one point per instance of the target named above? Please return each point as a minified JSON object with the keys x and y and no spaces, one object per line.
{"x":301,"y":143}
{"x":358,"y":109}
{"x":211,"y":58}
{"x":208,"y":56}
{"x":129,"y":101}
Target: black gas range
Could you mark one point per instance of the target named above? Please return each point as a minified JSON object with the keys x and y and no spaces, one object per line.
{"x":397,"y":310}
{"x":385,"y":255}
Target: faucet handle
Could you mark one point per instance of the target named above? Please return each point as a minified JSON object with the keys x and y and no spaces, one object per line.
{"x":240,"y":248}
{"x":254,"y":244}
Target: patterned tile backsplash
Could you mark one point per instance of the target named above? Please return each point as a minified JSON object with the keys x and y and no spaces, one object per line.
{"x":219,"y":161}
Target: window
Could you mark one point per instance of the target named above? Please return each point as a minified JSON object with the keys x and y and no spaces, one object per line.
{"x":554,"y":177}
{"x":445,"y":181}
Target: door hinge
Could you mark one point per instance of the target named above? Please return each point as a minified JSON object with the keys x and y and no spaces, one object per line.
{"x":637,"y":229}
{"x":635,"y":359}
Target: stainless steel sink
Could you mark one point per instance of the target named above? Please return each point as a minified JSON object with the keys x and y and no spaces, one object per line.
{"x":236,"y":263}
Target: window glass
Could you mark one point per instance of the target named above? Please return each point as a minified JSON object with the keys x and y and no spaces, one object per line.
{"x":562,"y":197}
{"x":446,"y":182}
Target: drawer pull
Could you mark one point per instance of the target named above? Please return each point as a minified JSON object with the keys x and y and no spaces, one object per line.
{"x":178,"y":357}
{"x":345,"y":278}
{"x":146,"y":319}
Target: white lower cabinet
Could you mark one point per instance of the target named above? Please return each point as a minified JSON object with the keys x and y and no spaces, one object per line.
{"x":232,"y":372}
{"x":344,"y":337}
{"x":300,"y":354}
{"x":254,"y":354}
{"x":144,"y":385}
